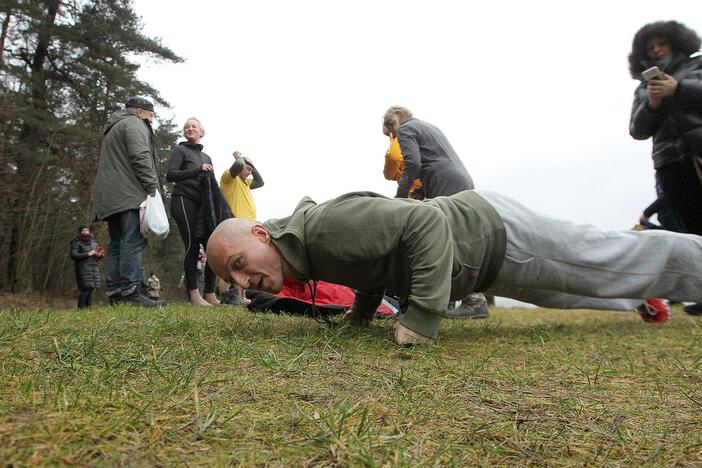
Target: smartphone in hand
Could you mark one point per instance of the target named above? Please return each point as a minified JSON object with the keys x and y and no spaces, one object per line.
{"x":652,"y":74}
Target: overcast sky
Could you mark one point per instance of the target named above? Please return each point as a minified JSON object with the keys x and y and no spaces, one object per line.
{"x":534,"y":96}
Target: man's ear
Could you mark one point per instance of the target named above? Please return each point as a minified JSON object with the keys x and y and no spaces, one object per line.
{"x":260,"y":232}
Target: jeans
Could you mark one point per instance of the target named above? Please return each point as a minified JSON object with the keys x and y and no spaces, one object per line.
{"x":123,"y":259}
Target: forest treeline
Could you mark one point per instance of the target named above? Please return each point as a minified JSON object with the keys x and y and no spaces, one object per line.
{"x":65,"y":66}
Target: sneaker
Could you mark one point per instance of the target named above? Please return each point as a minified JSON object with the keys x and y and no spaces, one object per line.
{"x":138,"y":299}
{"x":694,"y":309}
{"x":473,"y":306}
{"x":406,"y":337}
{"x":654,"y":310}
{"x":114,"y":299}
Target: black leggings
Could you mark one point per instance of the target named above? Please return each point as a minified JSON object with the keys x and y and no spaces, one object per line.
{"x":683,"y":189}
{"x":184,"y":211}
{"x":85,"y":298}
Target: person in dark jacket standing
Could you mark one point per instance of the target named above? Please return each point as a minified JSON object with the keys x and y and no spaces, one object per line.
{"x":126,"y":175}
{"x":429,"y":157}
{"x":85,"y":253}
{"x":668,"y":109}
{"x":197,"y":205}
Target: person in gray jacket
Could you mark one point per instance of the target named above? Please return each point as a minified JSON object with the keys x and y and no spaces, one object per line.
{"x":429,"y":157}
{"x":126,"y":175}
{"x":442,"y":249}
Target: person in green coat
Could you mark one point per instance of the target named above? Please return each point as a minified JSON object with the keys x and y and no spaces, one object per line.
{"x":442,"y":249}
{"x":126,"y":174}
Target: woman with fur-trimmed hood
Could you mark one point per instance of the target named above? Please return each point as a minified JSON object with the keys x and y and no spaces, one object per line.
{"x":669,"y":109}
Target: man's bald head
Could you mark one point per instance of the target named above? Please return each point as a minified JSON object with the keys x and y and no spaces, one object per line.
{"x":240,"y":250}
{"x":229,"y":234}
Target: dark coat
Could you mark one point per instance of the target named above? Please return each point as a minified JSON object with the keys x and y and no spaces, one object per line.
{"x":87,"y":271}
{"x":676,"y":126}
{"x":429,"y":157}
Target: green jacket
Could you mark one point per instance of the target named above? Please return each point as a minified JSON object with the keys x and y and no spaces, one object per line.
{"x":428,"y":251}
{"x":127,"y":166}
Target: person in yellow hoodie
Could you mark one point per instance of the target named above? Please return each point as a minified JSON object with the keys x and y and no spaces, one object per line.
{"x":236,"y":184}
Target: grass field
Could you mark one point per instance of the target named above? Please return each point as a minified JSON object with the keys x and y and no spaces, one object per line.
{"x":121,"y":386}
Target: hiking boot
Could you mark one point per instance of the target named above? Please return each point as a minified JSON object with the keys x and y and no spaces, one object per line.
{"x":694,"y":309}
{"x":473,"y":306}
{"x":138,"y":299}
{"x":654,"y":310}
{"x":406,"y":337}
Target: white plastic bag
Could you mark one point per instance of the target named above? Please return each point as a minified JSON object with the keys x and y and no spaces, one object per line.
{"x":153,"y":218}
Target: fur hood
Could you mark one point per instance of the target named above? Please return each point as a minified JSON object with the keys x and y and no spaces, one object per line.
{"x":682,"y":39}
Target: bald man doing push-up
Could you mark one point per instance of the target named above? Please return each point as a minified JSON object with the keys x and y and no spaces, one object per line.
{"x":438,"y":250}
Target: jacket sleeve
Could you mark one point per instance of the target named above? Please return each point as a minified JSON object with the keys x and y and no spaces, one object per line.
{"x":690,"y":89}
{"x":429,"y":243}
{"x":644,"y":120}
{"x":138,"y":140}
{"x":257,"y":181}
{"x":175,"y":173}
{"x":76,"y":254}
{"x":412,"y":160}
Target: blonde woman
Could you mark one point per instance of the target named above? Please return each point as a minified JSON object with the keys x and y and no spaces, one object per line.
{"x":195,"y":186}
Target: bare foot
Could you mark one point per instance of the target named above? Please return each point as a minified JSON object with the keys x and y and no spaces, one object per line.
{"x":197,"y":299}
{"x":212,"y":298}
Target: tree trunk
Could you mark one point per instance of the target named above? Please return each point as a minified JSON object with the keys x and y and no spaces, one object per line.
{"x":3,"y":34}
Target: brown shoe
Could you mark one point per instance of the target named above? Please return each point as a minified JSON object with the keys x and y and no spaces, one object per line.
{"x":406,"y":337}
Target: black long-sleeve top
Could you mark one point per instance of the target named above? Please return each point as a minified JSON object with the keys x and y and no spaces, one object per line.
{"x":185,"y":169}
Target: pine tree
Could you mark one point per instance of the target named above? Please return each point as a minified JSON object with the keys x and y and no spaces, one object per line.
{"x":65,"y":66}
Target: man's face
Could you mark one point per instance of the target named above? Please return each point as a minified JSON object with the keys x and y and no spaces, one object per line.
{"x":246,"y":171}
{"x":146,"y":115}
{"x":251,"y":260}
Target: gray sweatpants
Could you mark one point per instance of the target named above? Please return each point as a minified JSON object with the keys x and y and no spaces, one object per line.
{"x":554,"y":263}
